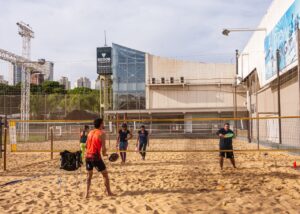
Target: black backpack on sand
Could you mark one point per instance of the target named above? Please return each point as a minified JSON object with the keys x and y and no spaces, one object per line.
{"x":70,"y":161}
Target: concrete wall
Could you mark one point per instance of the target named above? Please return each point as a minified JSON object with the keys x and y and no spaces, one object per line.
{"x":267,"y":99}
{"x":207,"y":85}
{"x":268,"y":107}
{"x":193,"y":97}
{"x":193,"y":72}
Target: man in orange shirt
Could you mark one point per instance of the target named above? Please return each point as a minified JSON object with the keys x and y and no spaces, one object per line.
{"x":95,"y":143}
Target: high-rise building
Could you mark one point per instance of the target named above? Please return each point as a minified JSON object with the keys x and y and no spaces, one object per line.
{"x":50,"y":71}
{"x":2,"y":80}
{"x":83,"y":82}
{"x":17,"y":74}
{"x":65,"y":82}
{"x":97,"y":84}
{"x":37,"y":78}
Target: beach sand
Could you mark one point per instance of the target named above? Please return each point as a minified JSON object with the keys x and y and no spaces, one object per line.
{"x":163,"y":183}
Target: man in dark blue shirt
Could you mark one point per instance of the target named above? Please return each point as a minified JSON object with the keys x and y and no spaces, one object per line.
{"x":122,"y":141}
{"x":142,"y":141}
{"x":226,"y":136}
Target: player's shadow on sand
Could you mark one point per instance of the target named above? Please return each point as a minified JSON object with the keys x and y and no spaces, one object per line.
{"x":166,"y":191}
{"x":190,"y":163}
{"x":241,"y":174}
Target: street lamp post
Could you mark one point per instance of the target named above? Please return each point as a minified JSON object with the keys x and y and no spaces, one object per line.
{"x":226,"y":32}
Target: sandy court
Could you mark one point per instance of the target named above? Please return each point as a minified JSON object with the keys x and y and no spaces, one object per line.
{"x":164,"y":183}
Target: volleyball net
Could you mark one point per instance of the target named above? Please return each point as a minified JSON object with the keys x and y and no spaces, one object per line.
{"x":165,"y":135}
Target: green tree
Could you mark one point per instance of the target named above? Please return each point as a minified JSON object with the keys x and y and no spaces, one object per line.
{"x":50,"y":87}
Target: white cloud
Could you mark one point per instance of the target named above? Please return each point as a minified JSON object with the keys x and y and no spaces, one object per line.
{"x":69,"y":31}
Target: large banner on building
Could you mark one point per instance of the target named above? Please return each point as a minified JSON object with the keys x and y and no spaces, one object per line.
{"x":282,"y":37}
{"x":104,"y":61}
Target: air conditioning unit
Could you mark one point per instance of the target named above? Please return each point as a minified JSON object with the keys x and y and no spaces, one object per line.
{"x":182,"y":80}
{"x":153,"y":81}
{"x":171,"y":80}
{"x":162,"y":80}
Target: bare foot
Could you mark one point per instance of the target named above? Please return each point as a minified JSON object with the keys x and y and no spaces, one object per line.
{"x":110,"y":194}
{"x":87,"y":196}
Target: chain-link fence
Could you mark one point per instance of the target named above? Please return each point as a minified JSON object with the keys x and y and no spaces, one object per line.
{"x":168,"y":135}
{"x":53,"y":106}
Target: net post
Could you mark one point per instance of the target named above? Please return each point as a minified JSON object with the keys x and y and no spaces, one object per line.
{"x":257,"y":125}
{"x":117,"y":123}
{"x":248,"y":129}
{"x":51,"y":136}
{"x":108,"y":139}
{"x":5,"y":149}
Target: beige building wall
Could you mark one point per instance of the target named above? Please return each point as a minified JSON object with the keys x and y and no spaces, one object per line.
{"x":252,"y":59}
{"x":268,"y":107}
{"x":193,"y":97}
{"x":268,"y":102}
{"x":193,"y":72}
{"x":206,"y":85}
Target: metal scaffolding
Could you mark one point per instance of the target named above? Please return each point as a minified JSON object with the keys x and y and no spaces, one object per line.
{"x":26,"y":32}
{"x":105,"y":93}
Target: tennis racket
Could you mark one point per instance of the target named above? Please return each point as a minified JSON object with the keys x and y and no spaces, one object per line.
{"x":113,"y":157}
{"x":229,"y":135}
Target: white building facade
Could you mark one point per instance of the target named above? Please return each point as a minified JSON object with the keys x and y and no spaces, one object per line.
{"x":65,"y":82}
{"x":151,"y":87}
{"x":2,"y":80}
{"x":271,"y":93}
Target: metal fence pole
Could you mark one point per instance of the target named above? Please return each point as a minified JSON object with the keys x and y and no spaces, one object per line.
{"x":235,"y":91}
{"x":1,"y":135}
{"x":51,"y":130}
{"x":298,"y":70}
{"x":109,"y":140}
{"x":257,"y":109}
{"x":278,"y":95}
{"x":5,"y":148}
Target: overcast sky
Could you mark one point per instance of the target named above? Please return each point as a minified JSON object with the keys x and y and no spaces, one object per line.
{"x":67,"y":32}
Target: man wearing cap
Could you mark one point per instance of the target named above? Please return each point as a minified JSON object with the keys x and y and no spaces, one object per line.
{"x":122,"y":141}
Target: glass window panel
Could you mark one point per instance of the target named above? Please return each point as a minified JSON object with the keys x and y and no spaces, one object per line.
{"x":131,"y":86}
{"x":129,"y":78}
{"x":140,"y":86}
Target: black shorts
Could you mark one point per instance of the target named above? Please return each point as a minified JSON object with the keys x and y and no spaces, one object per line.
{"x":98,"y":164}
{"x":227,"y":154}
